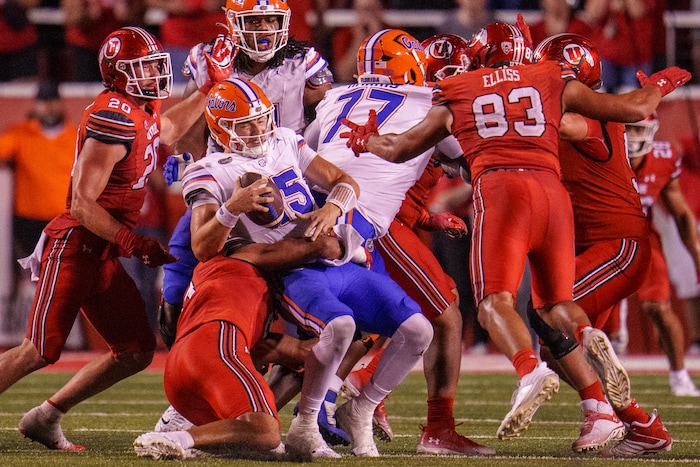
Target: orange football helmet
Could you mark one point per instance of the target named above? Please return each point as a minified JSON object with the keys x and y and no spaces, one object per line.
{"x":234,"y":102}
{"x":258,"y":42}
{"x":576,"y":52}
{"x":446,"y":55}
{"x":134,"y":62}
{"x":391,"y":56}
{"x":497,"y":45}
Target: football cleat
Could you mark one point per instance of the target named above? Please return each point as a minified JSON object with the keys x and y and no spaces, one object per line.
{"x":304,"y":441}
{"x":159,"y":446}
{"x":445,"y":440}
{"x":533,"y":389}
{"x":600,"y":426}
{"x":601,"y":356}
{"x":171,"y":420}
{"x":41,"y":427}
{"x":682,"y":385}
{"x":647,"y":438}
{"x":352,"y":386}
{"x":380,"y":424}
{"x":359,"y":426}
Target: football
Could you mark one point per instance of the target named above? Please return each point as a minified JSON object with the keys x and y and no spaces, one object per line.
{"x":273,"y":217}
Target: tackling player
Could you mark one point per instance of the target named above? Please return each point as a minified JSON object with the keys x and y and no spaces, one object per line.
{"x":78,"y":254}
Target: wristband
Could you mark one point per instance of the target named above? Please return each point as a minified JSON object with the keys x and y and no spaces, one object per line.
{"x":226,"y":217}
{"x":343,"y":196}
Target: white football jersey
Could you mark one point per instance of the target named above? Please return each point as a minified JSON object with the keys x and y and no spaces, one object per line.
{"x":287,"y":158}
{"x":383,"y":184}
{"x":283,"y":85}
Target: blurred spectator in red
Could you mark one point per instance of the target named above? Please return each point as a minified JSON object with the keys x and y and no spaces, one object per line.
{"x":623,"y":32}
{"x":18,"y":40}
{"x":558,"y":16}
{"x":188,"y":23}
{"x":88,"y":22}
{"x":468,"y":18}
{"x":369,"y":18}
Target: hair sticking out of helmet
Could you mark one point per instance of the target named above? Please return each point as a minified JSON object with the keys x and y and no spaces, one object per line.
{"x":260,"y":28}
{"x":446,"y":55}
{"x":240,"y":117}
{"x":576,"y":52}
{"x":391,"y":56}
{"x":499,"y":44}
{"x":640,"y":135}
{"x":133,"y":61}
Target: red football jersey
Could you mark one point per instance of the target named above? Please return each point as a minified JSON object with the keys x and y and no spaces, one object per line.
{"x":226,"y":289}
{"x":659,"y":167}
{"x":519,"y":106}
{"x":112,"y":119}
{"x":602,"y":185}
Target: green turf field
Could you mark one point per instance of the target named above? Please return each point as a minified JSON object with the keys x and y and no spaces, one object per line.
{"x":108,"y":423}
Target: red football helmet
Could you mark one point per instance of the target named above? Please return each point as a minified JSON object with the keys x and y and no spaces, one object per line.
{"x":575,"y":51}
{"x":391,"y":56}
{"x":258,"y":42}
{"x":640,"y":135}
{"x":446,"y":55}
{"x":234,"y":102}
{"x":499,"y":44}
{"x":134,"y":62}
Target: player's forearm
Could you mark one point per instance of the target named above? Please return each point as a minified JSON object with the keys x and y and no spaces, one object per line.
{"x":180,"y":117}
{"x":95,"y":218}
{"x":289,"y":253}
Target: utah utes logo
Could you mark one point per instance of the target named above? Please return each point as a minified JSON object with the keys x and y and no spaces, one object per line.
{"x":440,"y":49}
{"x":112,"y":48}
{"x":574,"y":54}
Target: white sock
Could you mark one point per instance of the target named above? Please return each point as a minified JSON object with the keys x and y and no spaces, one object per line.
{"x":52,"y":414}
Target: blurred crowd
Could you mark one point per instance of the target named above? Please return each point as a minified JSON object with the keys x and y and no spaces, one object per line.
{"x":61,"y":44}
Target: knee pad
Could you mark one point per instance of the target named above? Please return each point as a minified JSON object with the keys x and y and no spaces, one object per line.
{"x":559,"y":343}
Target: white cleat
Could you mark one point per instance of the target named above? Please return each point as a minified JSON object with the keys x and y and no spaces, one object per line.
{"x":171,"y":420}
{"x":682,"y":385}
{"x":533,"y":389}
{"x":304,"y":441}
{"x":39,"y":426}
{"x":601,"y":356}
{"x":359,"y":427}
{"x":600,"y":426}
{"x":159,"y":446}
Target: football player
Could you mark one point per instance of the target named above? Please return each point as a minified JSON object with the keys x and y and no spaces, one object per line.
{"x":657,"y":167}
{"x":612,"y":248}
{"x":320,"y":299}
{"x":392,"y":81}
{"x":293,"y":76}
{"x":76,"y":259}
{"x":506,"y":115}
